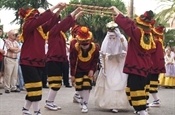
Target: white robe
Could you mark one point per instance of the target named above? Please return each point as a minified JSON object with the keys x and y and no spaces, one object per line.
{"x":111,"y":82}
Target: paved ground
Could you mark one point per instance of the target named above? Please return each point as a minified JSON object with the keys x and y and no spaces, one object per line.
{"x":11,"y":104}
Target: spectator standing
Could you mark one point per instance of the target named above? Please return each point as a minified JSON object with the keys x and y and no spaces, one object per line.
{"x":11,"y":63}
{"x":168,"y":79}
{"x":20,"y":83}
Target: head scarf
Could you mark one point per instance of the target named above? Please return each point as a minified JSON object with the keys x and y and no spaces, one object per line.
{"x":112,"y":44}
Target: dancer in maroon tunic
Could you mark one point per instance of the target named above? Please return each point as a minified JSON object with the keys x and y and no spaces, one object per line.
{"x":56,"y":56}
{"x":157,"y":56}
{"x":83,"y":61}
{"x":74,"y":31}
{"x":32,"y":59}
{"x":138,"y":60}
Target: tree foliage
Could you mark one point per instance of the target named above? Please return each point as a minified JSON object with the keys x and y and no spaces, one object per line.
{"x":17,"y":4}
{"x":166,"y":17}
{"x":96,"y":23}
{"x":170,"y":38}
{"x":168,"y":11}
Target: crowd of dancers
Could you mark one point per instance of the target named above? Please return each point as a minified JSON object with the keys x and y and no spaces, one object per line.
{"x":129,"y":67}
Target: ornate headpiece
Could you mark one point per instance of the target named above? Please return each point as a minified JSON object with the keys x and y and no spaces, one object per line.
{"x":83,"y":34}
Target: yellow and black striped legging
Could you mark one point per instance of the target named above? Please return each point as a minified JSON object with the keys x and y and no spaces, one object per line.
{"x":32,"y":80}
{"x":55,"y":73}
{"x":154,"y":83}
{"x":82,"y":81}
{"x":136,"y":91}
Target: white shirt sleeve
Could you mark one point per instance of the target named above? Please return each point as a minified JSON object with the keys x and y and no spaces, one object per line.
{"x":1,"y":43}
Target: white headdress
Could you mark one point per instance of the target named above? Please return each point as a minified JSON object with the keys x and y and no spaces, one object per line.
{"x":112,"y":44}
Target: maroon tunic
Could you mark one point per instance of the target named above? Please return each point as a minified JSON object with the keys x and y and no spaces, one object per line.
{"x":57,"y":42}
{"x":138,"y":60}
{"x":1,"y":56}
{"x":33,"y":51}
{"x":72,"y":43}
{"x":158,"y":59}
{"x":77,"y":64}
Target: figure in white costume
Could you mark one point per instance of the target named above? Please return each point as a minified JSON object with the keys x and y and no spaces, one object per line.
{"x":111,"y":82}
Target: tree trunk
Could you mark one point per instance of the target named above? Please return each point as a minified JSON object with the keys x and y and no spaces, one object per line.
{"x":131,"y":9}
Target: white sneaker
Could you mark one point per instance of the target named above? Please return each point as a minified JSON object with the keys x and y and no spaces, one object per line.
{"x":155,"y":103}
{"x":136,"y":112}
{"x":84,"y":108}
{"x":52,"y":106}
{"x":37,"y":112}
{"x":81,"y":105}
{"x":143,"y":112}
{"x":77,"y":98}
{"x":25,"y":111}
{"x":147,"y":106}
{"x":147,"y":113}
{"x":114,"y":110}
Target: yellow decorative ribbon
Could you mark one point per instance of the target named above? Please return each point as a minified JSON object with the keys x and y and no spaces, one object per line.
{"x":44,"y":36}
{"x":40,"y":30}
{"x":28,"y":14}
{"x":151,"y":43}
{"x":80,"y":57}
{"x":161,"y":41}
{"x":64,"y":35}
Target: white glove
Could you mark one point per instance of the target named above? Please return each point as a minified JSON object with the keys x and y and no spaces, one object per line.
{"x":110,"y":56}
{"x":118,"y":33}
{"x":103,"y":72}
{"x":102,"y":58}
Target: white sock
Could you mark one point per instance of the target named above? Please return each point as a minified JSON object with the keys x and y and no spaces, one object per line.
{"x":81,"y":95}
{"x":27,"y":104}
{"x":147,"y":102}
{"x":143,"y":112}
{"x":51,"y":95}
{"x":155,"y":96}
{"x":77,"y":93}
{"x":86,"y":94}
{"x":35,"y":105}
